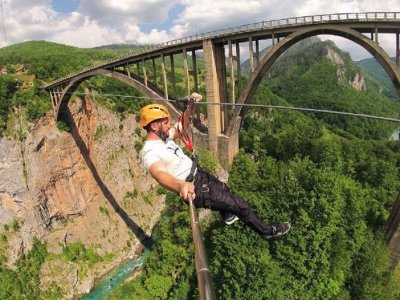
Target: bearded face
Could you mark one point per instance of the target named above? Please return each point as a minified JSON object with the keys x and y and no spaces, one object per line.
{"x":161,"y":128}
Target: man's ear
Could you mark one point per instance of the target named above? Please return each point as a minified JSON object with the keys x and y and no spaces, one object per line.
{"x":154,"y":126}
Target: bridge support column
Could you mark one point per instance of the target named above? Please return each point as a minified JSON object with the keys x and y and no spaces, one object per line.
{"x":228,"y":146}
{"x":232,"y":97}
{"x":213,"y":93}
{"x":238,"y":68}
{"x":397,"y":50}
{"x":53,"y":100}
{"x":164,"y":76}
{"x":194,"y":72}
{"x":186,"y":71}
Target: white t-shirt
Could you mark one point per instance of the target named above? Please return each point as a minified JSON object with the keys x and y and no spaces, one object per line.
{"x":177,"y":163}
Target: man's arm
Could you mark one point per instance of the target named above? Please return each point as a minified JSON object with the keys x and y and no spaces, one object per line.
{"x":184,"y":189}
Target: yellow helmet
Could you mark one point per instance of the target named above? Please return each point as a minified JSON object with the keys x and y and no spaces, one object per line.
{"x":152,"y":112}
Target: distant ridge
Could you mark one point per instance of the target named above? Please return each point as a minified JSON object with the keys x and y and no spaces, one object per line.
{"x":376,"y":72}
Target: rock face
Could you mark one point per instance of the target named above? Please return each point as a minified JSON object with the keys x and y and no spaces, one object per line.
{"x":86,"y":185}
{"x":12,"y":185}
{"x":358,"y":82}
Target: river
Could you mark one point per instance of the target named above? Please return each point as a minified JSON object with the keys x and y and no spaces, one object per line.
{"x":115,"y":278}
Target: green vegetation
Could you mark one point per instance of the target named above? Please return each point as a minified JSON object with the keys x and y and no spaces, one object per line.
{"x":104,"y":211}
{"x":138,"y":145}
{"x":100,"y":132}
{"x":311,"y":80}
{"x":49,"y":61}
{"x":63,"y":125}
{"x":114,"y":95}
{"x":333,"y":177}
{"x":78,"y":252}
{"x":131,"y":195}
{"x":46,"y":61}
{"x":24,"y":282}
{"x":207,"y":160}
{"x":376,"y":72}
{"x":176,"y":266}
{"x":15,"y":225}
{"x":7,"y":88}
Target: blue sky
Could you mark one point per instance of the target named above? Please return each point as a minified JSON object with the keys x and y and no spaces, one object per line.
{"x":91,"y":23}
{"x":65,"y":6}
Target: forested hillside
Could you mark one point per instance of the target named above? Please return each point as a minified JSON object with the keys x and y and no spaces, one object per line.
{"x":333,"y":177}
{"x":50,"y":61}
{"x":373,"y":69}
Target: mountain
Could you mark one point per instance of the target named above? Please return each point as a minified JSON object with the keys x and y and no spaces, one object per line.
{"x":316,"y":74}
{"x":50,"y":61}
{"x":376,"y":72}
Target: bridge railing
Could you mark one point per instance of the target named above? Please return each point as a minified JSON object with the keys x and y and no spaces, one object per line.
{"x":287,"y":22}
{"x":294,"y":21}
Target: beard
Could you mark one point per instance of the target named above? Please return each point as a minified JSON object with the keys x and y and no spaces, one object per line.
{"x":163,"y":134}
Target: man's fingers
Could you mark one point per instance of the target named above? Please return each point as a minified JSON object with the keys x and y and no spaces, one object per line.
{"x":191,"y":195}
{"x":186,"y":191}
{"x":198,"y":97}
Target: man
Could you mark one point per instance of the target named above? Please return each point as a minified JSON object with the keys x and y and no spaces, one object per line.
{"x":174,"y":170}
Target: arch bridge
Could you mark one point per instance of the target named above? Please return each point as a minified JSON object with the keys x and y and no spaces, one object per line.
{"x":221,"y":51}
{"x":220,"y":71}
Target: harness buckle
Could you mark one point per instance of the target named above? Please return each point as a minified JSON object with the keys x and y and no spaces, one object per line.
{"x":205,"y":188}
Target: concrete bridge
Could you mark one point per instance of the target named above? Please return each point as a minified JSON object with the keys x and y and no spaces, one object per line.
{"x":221,"y":51}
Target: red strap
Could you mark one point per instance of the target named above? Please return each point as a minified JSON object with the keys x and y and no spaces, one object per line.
{"x":183,"y":135}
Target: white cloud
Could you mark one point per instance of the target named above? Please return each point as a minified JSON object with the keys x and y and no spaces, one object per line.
{"x":113,"y":13}
{"x":89,"y":34}
{"x":98,"y":22}
{"x":154,"y":37}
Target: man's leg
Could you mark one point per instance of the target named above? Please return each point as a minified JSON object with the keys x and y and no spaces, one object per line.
{"x":214,"y":194}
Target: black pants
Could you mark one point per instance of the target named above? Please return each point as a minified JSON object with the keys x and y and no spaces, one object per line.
{"x":213,"y":194}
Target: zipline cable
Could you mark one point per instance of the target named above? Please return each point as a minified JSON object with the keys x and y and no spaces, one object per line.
{"x":258,"y":106}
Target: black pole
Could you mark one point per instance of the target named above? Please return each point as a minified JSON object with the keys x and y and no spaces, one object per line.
{"x":206,"y":287}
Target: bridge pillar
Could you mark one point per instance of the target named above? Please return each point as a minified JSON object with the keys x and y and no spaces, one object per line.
{"x":212,"y":61}
{"x":398,"y":49}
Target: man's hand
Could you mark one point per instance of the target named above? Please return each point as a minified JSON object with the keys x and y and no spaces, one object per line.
{"x":196,"y":97}
{"x":186,"y":191}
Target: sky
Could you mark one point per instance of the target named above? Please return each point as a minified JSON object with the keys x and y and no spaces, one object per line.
{"x":91,"y":23}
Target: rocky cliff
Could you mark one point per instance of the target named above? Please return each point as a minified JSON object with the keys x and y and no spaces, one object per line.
{"x":86,"y":185}
{"x":358,"y":82}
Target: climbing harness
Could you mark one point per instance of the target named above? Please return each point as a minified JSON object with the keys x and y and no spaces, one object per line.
{"x":190,"y":177}
{"x":184,"y":135}
{"x":187,"y":141}
{"x":182,"y":131}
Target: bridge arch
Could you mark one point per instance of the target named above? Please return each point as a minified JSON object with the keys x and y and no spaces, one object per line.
{"x":147,"y":91}
{"x":277,"y":50}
